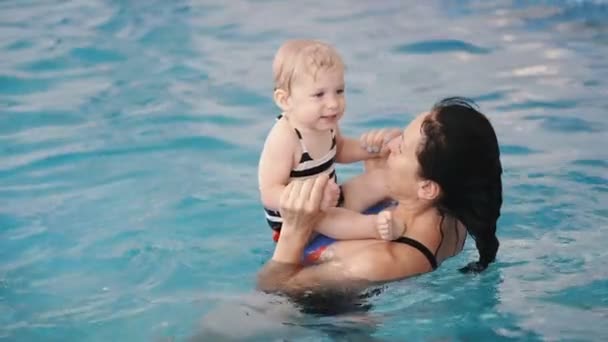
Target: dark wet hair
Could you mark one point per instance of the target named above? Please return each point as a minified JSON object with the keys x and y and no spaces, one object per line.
{"x":459,"y":151}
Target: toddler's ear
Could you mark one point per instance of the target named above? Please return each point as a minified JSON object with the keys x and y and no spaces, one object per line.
{"x":281,"y":98}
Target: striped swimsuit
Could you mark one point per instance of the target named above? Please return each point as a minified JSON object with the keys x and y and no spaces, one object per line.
{"x":308,"y":167}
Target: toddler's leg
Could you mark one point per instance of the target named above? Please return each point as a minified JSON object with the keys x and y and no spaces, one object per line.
{"x":389,"y":228}
{"x":347,"y":223}
{"x":344,"y":224}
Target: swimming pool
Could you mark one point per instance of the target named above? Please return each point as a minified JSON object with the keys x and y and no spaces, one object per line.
{"x":129,"y":137}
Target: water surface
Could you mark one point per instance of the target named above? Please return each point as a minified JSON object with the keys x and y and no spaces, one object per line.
{"x":129,"y":137}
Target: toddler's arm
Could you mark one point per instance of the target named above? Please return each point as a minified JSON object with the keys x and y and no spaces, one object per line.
{"x":276,"y":162}
{"x":371,"y":145}
{"x":349,"y":150}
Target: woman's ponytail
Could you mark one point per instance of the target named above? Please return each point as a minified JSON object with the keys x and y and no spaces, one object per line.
{"x":487,"y":246}
{"x":459,"y":151}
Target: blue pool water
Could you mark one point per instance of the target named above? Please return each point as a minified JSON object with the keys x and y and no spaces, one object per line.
{"x":129,"y":136}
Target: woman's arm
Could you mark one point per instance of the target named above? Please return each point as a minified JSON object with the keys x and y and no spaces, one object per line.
{"x":378,"y":262}
{"x":294,"y":279}
{"x":300,"y":209}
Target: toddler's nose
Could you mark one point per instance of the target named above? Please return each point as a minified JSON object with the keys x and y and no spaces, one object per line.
{"x":332,"y":102}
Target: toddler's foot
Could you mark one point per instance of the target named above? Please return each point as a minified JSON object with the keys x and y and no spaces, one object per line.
{"x":331,"y":194}
{"x":388,"y":228}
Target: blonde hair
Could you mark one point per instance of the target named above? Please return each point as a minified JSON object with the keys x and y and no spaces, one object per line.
{"x":302,"y":56}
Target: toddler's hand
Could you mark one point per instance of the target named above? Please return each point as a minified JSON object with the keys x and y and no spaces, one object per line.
{"x":376,"y":141}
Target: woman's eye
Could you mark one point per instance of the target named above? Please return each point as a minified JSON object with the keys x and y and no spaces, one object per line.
{"x":340,"y":91}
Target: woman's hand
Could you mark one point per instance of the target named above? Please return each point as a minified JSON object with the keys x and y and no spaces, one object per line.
{"x":376,"y":141}
{"x":301,"y":211}
{"x":301,"y":203}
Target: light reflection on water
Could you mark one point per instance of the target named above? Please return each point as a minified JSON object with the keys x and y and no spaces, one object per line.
{"x":129,"y":137}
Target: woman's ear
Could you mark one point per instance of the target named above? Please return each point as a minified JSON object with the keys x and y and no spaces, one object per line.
{"x":281,"y":98}
{"x":428,"y":190}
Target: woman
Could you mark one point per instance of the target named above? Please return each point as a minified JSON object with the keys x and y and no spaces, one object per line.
{"x":444,"y":172}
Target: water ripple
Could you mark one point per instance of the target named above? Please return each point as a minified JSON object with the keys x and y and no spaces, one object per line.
{"x":527,"y":105}
{"x":18,"y":85}
{"x":566,"y":124}
{"x":129,"y":138}
{"x":441,"y":46}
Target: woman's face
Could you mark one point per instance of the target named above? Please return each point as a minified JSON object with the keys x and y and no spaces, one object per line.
{"x":402,"y":161}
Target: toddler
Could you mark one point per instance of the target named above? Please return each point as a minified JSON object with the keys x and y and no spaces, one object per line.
{"x":306,"y":141}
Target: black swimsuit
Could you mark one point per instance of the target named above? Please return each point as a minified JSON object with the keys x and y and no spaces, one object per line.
{"x":306,"y":168}
{"x":421,"y":248}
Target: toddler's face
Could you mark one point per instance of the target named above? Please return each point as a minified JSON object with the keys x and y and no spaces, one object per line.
{"x":318,"y":103}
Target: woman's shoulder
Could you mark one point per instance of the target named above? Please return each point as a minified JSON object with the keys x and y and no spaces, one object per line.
{"x":442,"y":235}
{"x":380,"y":261}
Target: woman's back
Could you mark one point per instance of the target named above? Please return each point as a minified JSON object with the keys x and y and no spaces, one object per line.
{"x":454,"y":235}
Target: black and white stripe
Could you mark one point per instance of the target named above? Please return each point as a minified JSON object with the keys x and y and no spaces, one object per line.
{"x":307,"y":167}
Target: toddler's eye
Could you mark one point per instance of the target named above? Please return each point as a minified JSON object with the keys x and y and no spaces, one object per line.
{"x":340,"y":91}
{"x":319,"y":94}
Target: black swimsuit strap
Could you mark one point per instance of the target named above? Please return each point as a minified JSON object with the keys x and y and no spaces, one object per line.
{"x":420,"y":247}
